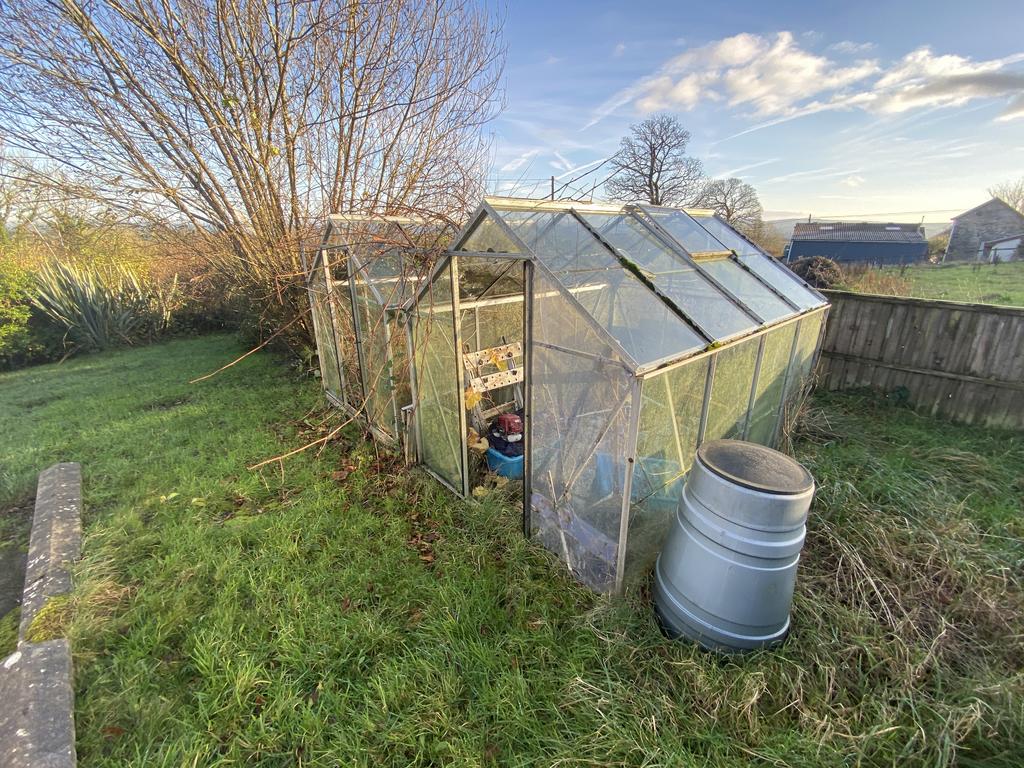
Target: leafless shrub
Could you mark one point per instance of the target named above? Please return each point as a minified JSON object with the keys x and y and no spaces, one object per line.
{"x":236,"y":127}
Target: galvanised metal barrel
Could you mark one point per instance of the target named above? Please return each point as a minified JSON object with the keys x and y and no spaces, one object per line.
{"x":725,"y":577}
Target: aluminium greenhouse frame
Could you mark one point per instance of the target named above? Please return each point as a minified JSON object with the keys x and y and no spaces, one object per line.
{"x":344,"y":276}
{"x":742,"y":320}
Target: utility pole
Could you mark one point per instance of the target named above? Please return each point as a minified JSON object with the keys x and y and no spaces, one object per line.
{"x":552,"y":187}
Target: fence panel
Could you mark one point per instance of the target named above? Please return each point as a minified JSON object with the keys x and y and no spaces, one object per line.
{"x":959,"y":361}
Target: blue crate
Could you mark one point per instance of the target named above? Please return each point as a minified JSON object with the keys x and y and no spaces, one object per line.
{"x":507,"y":466}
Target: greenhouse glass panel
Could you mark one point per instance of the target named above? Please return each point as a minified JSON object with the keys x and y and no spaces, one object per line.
{"x":489,"y":237}
{"x":437,"y":382}
{"x":483,"y":278}
{"x":344,"y":320}
{"x":582,"y":402}
{"x":323,"y":327}
{"x":771,"y":384}
{"x":748,"y":289}
{"x":426,"y":236}
{"x":635,"y":317}
{"x":375,"y":366}
{"x":670,"y":410}
{"x":392,"y":277}
{"x":762,"y":265}
{"x":687,"y":232}
{"x":730,"y":390}
{"x":688,"y":289}
{"x":803,"y":360}
{"x":645,"y":327}
{"x":782,"y":280}
{"x":560,"y":242}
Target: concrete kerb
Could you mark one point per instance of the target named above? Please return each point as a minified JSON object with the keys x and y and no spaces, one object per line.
{"x":37,"y":726}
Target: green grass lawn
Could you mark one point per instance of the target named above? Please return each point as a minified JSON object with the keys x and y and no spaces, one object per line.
{"x":982,"y":283}
{"x":338,"y":610}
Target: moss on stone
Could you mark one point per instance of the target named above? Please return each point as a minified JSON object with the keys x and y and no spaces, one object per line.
{"x":52,"y":620}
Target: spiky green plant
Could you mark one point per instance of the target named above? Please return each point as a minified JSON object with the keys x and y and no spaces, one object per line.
{"x":100,"y":308}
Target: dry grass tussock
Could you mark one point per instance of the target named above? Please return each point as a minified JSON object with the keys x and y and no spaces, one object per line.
{"x":862,"y":278}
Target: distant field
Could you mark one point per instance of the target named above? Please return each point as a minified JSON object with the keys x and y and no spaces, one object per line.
{"x":978,"y":283}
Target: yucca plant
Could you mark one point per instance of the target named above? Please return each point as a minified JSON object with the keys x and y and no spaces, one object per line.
{"x":99,"y":308}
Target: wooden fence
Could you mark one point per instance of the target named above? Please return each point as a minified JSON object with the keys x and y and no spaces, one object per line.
{"x":960,"y":361}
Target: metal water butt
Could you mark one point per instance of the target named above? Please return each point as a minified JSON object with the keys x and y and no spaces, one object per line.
{"x":725,"y":577}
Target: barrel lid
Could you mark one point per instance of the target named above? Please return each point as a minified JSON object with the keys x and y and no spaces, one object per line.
{"x":755,"y":466}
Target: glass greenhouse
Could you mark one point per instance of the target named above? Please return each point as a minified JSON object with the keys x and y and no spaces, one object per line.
{"x":624,"y":335}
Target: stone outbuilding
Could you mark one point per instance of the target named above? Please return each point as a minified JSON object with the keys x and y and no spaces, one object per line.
{"x":986,"y":223}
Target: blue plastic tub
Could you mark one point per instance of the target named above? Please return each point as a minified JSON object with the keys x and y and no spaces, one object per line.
{"x":507,"y":466}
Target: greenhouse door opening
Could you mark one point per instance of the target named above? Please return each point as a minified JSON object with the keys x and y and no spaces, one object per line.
{"x":471,"y":383}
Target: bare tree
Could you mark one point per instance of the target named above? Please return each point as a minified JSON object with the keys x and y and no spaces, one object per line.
{"x":768,"y":237}
{"x":1011,"y":193}
{"x":20,"y":195}
{"x":238,"y":124}
{"x":735,"y":201}
{"x":652,"y":165}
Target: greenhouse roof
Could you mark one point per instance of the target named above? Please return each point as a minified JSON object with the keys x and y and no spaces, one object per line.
{"x":661,"y":283}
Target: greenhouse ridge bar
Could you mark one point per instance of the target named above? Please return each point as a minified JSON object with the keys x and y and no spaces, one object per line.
{"x":624,"y":335}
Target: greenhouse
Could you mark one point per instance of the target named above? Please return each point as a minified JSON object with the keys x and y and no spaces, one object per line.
{"x":361,"y":278}
{"x":608,"y":340}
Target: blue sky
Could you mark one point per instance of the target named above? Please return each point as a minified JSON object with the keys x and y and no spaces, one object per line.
{"x":826,"y":108}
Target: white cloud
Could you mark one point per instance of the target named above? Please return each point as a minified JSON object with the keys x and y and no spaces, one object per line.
{"x":774,"y":79}
{"x":817,"y":173}
{"x":922,"y":79}
{"x":619,"y":50}
{"x":553,"y":60}
{"x":1013,"y":110}
{"x":515,"y":164}
{"x":853,"y":181}
{"x":560,"y":162}
{"x":737,"y":171}
{"x":848,"y":46}
{"x":578,"y":168}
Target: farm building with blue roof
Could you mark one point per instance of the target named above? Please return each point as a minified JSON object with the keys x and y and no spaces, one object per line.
{"x":859,"y":242}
